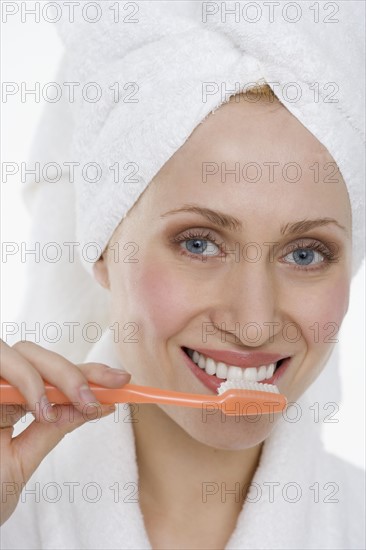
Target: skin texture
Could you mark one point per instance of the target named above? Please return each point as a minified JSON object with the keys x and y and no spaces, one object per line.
{"x":170,"y":295}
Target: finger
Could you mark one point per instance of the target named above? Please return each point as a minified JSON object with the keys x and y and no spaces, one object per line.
{"x":35,"y":442}
{"x":60,"y":372}
{"x":104,"y":375}
{"x":20,"y":373}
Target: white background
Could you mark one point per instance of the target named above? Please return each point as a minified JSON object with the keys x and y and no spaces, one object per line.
{"x":31,"y":52}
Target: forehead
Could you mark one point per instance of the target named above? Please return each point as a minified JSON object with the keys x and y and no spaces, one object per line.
{"x":255,"y":132}
{"x":278,"y":161}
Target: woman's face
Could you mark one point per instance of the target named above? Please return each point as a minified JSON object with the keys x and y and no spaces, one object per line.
{"x":224,"y":261}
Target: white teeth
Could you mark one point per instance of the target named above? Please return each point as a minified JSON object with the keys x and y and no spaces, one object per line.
{"x":232,"y":372}
{"x":262,"y":373}
{"x":210,"y":366}
{"x":270,"y":370}
{"x":201,"y":361}
{"x":221,"y":370}
{"x":250,"y":374}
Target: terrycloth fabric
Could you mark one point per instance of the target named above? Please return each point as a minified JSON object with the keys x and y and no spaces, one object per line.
{"x":167,"y":56}
{"x":301,"y":497}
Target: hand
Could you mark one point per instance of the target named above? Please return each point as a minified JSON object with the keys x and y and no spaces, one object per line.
{"x":25,"y":366}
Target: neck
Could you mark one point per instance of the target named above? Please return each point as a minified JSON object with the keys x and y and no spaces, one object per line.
{"x":182,"y":476}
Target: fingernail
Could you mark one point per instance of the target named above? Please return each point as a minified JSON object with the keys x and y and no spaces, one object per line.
{"x":86,"y":395}
{"x":117,"y":372}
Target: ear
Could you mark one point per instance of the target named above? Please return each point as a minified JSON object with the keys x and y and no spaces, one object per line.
{"x":100,"y":271}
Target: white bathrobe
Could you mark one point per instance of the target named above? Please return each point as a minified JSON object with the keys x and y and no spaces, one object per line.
{"x":84,"y":495}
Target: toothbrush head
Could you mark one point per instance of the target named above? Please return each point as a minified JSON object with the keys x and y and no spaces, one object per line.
{"x":244,"y":398}
{"x":246,"y":385}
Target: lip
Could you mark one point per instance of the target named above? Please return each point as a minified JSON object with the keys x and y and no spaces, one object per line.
{"x":213,"y":383}
{"x":241,"y":359}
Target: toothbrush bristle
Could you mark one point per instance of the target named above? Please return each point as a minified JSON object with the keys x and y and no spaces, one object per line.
{"x":246,"y":385}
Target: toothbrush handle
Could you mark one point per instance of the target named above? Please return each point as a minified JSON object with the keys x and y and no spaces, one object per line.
{"x":130,"y":393}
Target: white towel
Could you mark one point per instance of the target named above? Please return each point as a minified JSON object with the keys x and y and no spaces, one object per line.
{"x":317,"y":500}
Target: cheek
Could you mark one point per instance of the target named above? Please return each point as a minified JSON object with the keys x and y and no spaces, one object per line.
{"x":320,"y":315}
{"x":163,"y":299}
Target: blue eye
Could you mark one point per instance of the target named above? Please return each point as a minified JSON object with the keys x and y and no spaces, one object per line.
{"x":305,"y":256}
{"x":201,"y":247}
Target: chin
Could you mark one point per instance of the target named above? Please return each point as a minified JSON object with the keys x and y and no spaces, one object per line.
{"x":223,"y":432}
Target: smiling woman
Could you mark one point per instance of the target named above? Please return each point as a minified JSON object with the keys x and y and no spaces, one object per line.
{"x":244,"y":246}
{"x":196,"y":269}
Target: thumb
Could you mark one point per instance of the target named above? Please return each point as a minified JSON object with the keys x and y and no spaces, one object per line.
{"x":36,"y":441}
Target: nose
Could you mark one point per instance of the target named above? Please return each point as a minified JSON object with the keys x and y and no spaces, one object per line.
{"x":249,"y":306}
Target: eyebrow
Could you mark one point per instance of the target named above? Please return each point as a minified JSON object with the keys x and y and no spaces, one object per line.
{"x":301,"y":226}
{"x":226,"y":221}
{"x":214,"y":216}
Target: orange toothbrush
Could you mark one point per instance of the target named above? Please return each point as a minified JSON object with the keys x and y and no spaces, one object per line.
{"x":235,"y":397}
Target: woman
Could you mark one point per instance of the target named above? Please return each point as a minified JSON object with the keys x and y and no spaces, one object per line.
{"x":226,"y":262}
